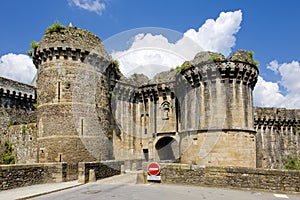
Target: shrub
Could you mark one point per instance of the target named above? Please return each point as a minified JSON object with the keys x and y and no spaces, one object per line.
{"x":29,"y":52}
{"x":35,"y":105}
{"x":56,"y":27}
{"x":7,"y":157}
{"x":251,"y":53}
{"x":249,"y":58}
{"x":291,"y":163}
{"x":34,"y":44}
{"x":214,"y":58}
{"x":67,"y":84}
{"x":183,"y":67}
{"x":23,"y":129}
{"x":256,"y":63}
{"x":116,"y":64}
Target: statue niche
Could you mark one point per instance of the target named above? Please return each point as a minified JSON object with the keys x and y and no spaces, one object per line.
{"x":165,"y":107}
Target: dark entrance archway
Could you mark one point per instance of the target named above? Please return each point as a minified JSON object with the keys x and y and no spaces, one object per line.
{"x":167,"y":148}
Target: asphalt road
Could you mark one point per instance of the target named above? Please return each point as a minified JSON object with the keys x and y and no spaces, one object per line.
{"x":124,"y":187}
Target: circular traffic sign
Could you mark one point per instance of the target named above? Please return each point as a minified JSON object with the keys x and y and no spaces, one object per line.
{"x":153,"y":169}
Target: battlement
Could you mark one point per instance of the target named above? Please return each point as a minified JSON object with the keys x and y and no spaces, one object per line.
{"x":280,"y":117}
{"x":143,"y":93}
{"x":12,"y":92}
{"x":16,"y":103}
{"x":52,"y":53}
{"x":206,"y":67}
{"x":209,"y":68}
{"x":71,"y":43}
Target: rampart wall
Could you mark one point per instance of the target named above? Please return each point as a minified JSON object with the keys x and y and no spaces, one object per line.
{"x":278,"y":136}
{"x":17,"y":111}
{"x":13,"y":176}
{"x":230,"y":177}
{"x":16,"y":103}
{"x":101,"y":169}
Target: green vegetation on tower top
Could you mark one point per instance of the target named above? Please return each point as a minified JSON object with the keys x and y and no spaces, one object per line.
{"x":116,"y":64}
{"x":56,"y":27}
{"x":34,"y":44}
{"x":183,"y":67}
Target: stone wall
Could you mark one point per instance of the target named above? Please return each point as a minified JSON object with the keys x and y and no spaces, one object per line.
{"x":10,"y":115}
{"x":102,"y":169}
{"x":24,"y":142}
{"x":13,"y":176}
{"x":231,"y":177}
{"x":17,"y":107}
{"x":219,"y":148}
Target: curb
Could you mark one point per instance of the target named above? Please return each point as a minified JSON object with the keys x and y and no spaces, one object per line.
{"x":49,"y":192}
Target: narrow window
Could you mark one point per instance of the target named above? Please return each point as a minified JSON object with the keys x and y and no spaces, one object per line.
{"x":81,"y":125}
{"x":58,"y":92}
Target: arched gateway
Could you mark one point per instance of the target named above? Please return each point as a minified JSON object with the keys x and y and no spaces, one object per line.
{"x":167,"y":148}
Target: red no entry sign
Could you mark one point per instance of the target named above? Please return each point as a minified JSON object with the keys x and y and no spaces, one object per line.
{"x":153,"y":169}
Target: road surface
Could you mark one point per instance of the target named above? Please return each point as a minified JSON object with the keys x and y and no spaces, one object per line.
{"x":124,"y":187}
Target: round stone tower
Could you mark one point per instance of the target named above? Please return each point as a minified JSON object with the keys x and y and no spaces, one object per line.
{"x":72,"y":88}
{"x":217,"y":110}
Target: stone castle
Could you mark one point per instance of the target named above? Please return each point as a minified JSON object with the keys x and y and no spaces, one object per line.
{"x":83,"y":109}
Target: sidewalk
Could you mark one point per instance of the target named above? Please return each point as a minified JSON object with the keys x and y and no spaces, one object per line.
{"x":36,"y":190}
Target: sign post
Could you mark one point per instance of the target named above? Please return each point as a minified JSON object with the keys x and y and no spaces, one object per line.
{"x":153,"y":172}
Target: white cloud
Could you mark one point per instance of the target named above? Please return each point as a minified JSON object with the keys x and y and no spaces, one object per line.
{"x":148,"y":49}
{"x":290,"y":76}
{"x":150,"y":54}
{"x":218,"y":35}
{"x":273,"y":66}
{"x":267,"y":94}
{"x":18,"y":67}
{"x":91,"y":5}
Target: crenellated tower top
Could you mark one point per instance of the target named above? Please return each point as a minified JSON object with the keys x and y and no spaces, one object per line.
{"x":209,"y":66}
{"x":69,"y":43}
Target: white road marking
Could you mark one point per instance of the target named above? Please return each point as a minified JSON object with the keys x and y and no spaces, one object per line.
{"x":281,"y":196}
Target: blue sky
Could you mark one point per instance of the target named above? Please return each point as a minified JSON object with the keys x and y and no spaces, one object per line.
{"x":269,"y":28}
